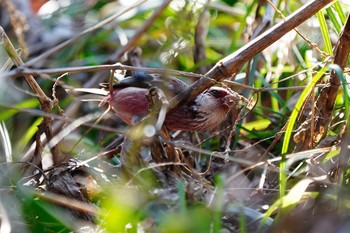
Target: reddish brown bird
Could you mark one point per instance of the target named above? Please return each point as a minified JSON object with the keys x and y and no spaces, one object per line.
{"x":129,"y":102}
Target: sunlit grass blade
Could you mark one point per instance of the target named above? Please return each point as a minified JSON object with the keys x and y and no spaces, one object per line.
{"x":6,"y":114}
{"x":296,"y":196}
{"x":28,"y":135}
{"x":5,"y":141}
{"x":296,"y":193}
{"x":339,"y":10}
{"x":256,"y":125}
{"x":325,"y":32}
{"x":333,"y":18}
{"x":290,"y":126}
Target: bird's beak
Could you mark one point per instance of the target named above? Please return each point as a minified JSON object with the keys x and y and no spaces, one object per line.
{"x":230,"y":100}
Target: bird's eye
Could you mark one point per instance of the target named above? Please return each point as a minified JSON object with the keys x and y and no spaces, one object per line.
{"x":217,"y":93}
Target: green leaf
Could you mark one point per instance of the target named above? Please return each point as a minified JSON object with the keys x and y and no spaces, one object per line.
{"x":6,"y":114}
{"x":28,"y":135}
{"x":333,"y":18}
{"x":325,"y":33}
{"x":290,"y":126}
{"x":296,"y":193}
{"x":257,"y":125}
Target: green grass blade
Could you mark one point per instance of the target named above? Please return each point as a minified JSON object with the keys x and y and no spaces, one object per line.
{"x":218,"y":205}
{"x":339,"y":10}
{"x":325,"y":33}
{"x":29,"y":133}
{"x":333,"y":18}
{"x":182,"y":197}
{"x":290,"y":126}
{"x":5,"y":114}
{"x":346,"y":96}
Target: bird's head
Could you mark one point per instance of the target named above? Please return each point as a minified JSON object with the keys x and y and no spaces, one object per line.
{"x":216,"y":98}
{"x":205,"y":113}
{"x":213,"y":105}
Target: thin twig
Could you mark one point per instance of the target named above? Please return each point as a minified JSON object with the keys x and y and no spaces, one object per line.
{"x":56,"y":117}
{"x":69,"y":202}
{"x":136,"y":37}
{"x":83,"y":33}
{"x":200,"y":34}
{"x":46,"y":103}
{"x":312,"y":45}
{"x":12,"y":53}
{"x":71,"y":70}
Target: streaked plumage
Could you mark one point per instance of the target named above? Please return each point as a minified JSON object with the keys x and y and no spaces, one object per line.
{"x":128,"y":101}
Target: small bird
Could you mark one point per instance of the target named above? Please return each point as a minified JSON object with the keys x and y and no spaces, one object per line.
{"x":129,"y":102}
